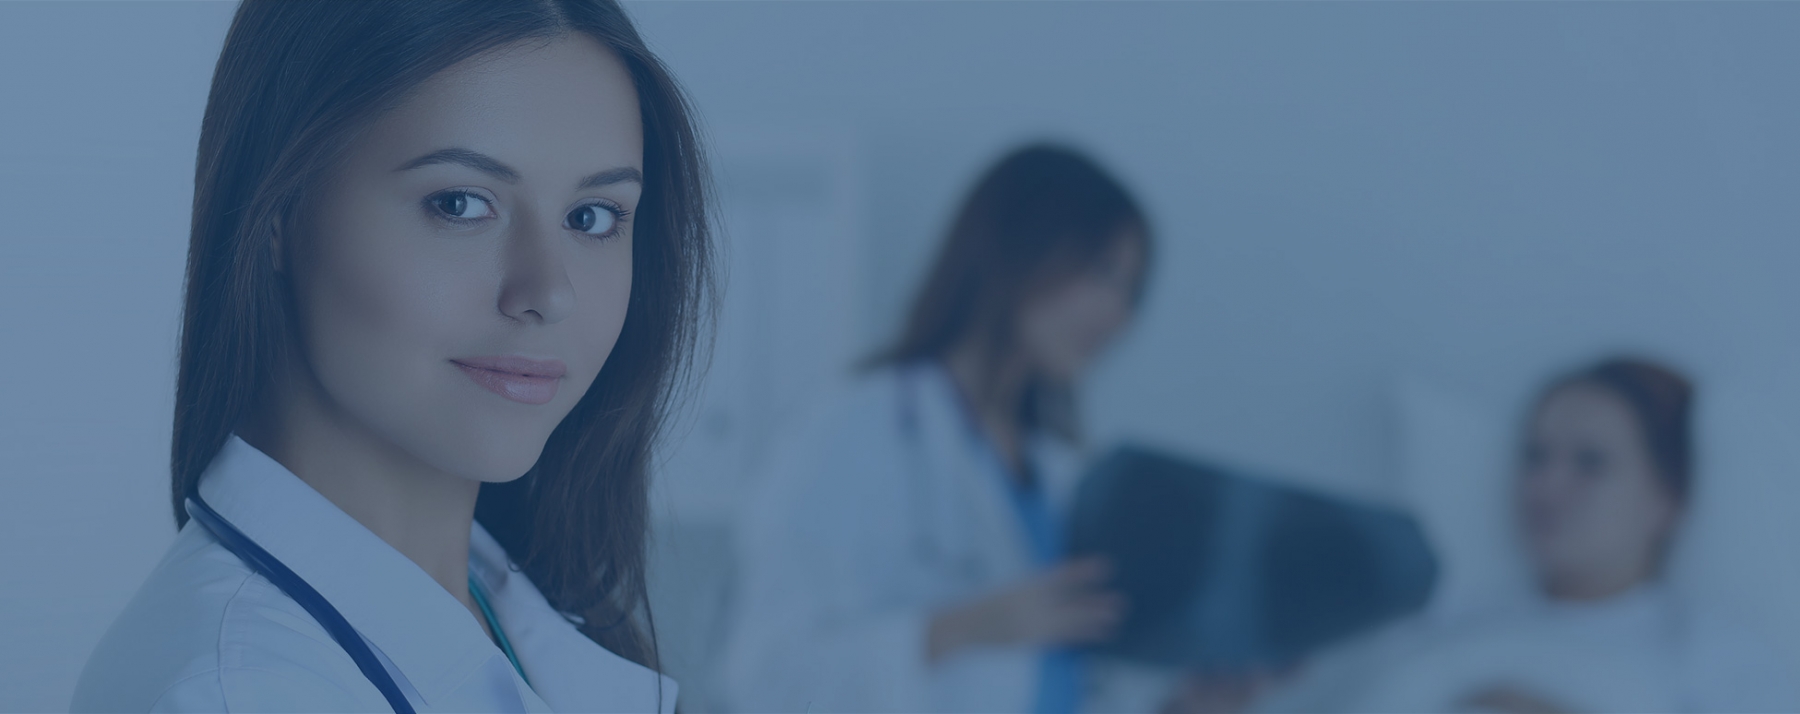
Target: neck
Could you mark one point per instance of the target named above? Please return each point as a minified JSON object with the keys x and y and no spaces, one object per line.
{"x":422,"y":512}
{"x":994,"y":389}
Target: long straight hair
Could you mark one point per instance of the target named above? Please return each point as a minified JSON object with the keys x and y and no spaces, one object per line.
{"x":294,"y":83}
{"x":1041,"y":213}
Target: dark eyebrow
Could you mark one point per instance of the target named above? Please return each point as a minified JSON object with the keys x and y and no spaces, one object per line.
{"x":472,"y":159}
{"x":610,"y":177}
{"x":488,"y":165}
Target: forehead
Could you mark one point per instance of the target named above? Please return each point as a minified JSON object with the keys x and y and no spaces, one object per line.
{"x":554,"y":109}
{"x":1588,"y":410}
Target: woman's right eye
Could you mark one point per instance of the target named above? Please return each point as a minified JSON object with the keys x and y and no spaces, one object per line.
{"x":461,"y":206}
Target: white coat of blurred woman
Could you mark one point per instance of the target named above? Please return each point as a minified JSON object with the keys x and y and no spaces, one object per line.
{"x":905,"y":554}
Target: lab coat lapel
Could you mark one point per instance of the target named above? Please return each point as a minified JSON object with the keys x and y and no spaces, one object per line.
{"x":973,"y":489}
{"x":568,"y":671}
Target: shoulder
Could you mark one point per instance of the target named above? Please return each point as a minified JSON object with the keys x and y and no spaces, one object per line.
{"x":168,"y":633}
{"x":204,"y":633}
{"x":253,"y":690}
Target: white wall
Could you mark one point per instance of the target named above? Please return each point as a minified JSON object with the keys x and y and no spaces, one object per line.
{"x":1345,"y":193}
{"x":100,"y":108}
{"x":1481,"y":191}
{"x":1355,"y":195}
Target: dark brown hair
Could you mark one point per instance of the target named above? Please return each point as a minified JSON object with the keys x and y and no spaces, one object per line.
{"x":1040,"y":214}
{"x":1661,"y":402}
{"x":294,"y":82}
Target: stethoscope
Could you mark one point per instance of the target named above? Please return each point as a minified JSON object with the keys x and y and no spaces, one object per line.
{"x":296,"y":587}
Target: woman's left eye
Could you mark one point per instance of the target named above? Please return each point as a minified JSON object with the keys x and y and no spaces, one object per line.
{"x":593,"y":219}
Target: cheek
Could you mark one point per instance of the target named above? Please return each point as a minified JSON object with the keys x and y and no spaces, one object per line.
{"x":601,"y":277}
{"x":1528,"y":497}
{"x":1046,"y":333}
{"x":1059,"y":317}
{"x":1631,"y":513}
{"x":384,"y":305}
{"x":1541,"y":517}
{"x":381,"y":307}
{"x":1555,"y":511}
{"x":1095,"y":313}
{"x":384,"y":313}
{"x":1607,"y":520}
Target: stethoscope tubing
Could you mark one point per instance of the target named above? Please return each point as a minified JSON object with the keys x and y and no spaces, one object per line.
{"x":309,"y":599}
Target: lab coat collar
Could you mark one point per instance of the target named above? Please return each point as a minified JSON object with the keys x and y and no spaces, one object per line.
{"x":424,"y":630}
{"x":953,"y":442}
{"x":1057,"y":462}
{"x":566,"y":669}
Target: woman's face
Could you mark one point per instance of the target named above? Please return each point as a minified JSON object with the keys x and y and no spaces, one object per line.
{"x":462,"y":276}
{"x":1065,"y":326}
{"x":1594,"y":513}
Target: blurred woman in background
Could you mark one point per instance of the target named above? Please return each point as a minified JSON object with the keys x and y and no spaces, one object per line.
{"x":905,"y":555}
{"x":1605,"y":478}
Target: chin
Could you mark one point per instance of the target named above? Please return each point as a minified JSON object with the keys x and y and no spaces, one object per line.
{"x":489,"y":453}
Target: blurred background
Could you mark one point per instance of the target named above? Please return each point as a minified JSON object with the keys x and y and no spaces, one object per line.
{"x":1381,"y":226}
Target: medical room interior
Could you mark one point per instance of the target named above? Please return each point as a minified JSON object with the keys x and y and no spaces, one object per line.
{"x":1378,"y":231}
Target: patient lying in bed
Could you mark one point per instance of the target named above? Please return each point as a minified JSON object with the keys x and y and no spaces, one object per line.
{"x":1638,"y":651}
{"x":1603,"y":482}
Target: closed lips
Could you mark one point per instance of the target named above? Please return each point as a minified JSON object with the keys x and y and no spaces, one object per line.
{"x":521,"y":366}
{"x":519,"y":379}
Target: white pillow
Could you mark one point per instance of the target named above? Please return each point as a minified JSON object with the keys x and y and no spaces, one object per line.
{"x":1456,"y":458}
{"x":1739,"y":545}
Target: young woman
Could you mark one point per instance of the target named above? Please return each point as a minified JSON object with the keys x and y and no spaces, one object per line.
{"x":1605,"y":476}
{"x":905,"y":556}
{"x":446,"y":264}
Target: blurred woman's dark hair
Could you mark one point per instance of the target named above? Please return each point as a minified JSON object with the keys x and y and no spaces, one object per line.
{"x":1661,"y":402}
{"x":294,"y":82}
{"x":1040,"y":215}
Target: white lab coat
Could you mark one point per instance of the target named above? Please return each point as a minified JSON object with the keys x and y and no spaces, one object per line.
{"x":1641,"y":651}
{"x":206,"y":634}
{"x":884,"y":510}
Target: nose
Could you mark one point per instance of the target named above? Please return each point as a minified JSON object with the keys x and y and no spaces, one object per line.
{"x":535,"y":284}
{"x":1548,"y":484}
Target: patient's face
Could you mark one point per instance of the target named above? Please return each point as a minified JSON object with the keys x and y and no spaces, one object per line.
{"x":1592,"y":510}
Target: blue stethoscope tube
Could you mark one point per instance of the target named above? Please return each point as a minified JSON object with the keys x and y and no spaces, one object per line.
{"x":296,"y":587}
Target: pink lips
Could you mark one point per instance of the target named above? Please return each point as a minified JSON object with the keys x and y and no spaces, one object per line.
{"x":517,"y":378}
